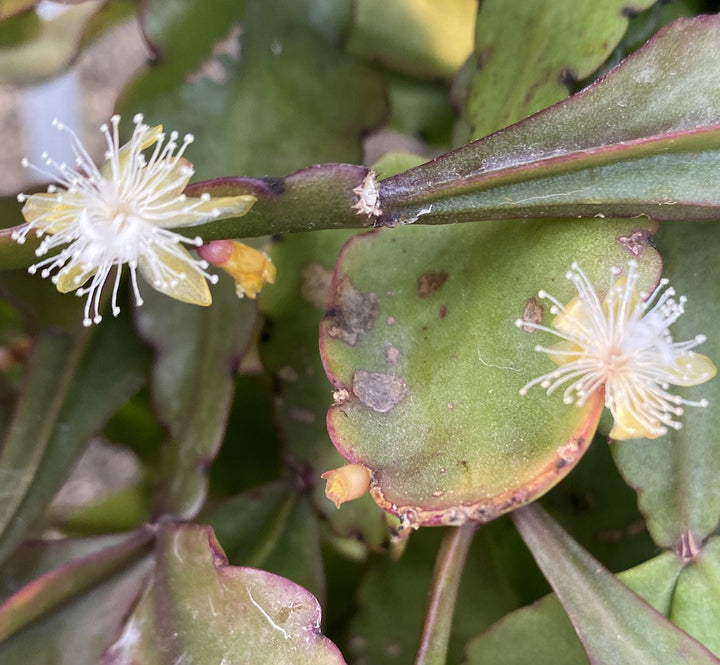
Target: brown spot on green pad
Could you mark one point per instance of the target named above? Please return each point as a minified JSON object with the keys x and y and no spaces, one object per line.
{"x":430,"y":282}
{"x":353,"y":313}
{"x":379,"y":392}
{"x":532,"y":313}
{"x":392,"y":355}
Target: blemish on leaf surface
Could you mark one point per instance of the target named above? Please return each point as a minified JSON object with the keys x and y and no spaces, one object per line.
{"x":636,"y":242}
{"x":379,"y":392}
{"x":532,"y":313}
{"x":275,"y":185}
{"x":430,"y":282}
{"x":353,"y":313}
{"x":392,"y":354}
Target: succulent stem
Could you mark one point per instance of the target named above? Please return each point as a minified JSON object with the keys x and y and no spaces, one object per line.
{"x":448,"y":571}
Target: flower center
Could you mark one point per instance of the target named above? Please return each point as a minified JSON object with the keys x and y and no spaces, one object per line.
{"x":615,"y":361}
{"x":121,"y":215}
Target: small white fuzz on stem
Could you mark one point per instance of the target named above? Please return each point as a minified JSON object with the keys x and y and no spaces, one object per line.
{"x":368,"y":194}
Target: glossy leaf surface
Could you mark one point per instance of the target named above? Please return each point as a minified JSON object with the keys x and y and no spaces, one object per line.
{"x":200,"y":609}
{"x":617,"y":626}
{"x":643,"y":140}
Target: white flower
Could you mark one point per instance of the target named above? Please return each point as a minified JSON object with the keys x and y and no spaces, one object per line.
{"x":622,"y":345}
{"x":120,"y":214}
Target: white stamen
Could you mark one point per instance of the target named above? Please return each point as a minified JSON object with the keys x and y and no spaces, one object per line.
{"x":624,"y":345}
{"x":102,"y":219}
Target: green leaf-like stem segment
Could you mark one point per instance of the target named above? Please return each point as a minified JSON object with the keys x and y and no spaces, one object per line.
{"x":647,"y":176}
{"x":57,"y":586}
{"x":617,"y":626}
{"x":644,"y":140}
{"x":61,"y":383}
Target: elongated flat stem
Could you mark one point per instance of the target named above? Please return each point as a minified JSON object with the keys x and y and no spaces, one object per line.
{"x":449,"y":567}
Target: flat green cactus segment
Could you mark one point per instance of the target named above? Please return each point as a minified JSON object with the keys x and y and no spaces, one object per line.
{"x":76,"y":382}
{"x":421,"y":346}
{"x":527,"y":54}
{"x":42,"y":576}
{"x":543,"y":633}
{"x":85,"y":619}
{"x":676,"y":475}
{"x":236,"y":84}
{"x":642,"y":140}
{"x":273,"y":527}
{"x":686,"y":592}
{"x":201,"y":610}
{"x":617,"y":626}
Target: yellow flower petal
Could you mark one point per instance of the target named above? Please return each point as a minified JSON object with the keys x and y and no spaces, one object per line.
{"x":55,"y":213}
{"x":692,"y":369}
{"x":197,"y":210}
{"x":130,"y":151}
{"x":174,"y":274}
{"x":74,"y":277}
{"x":563,"y":352}
{"x":173,"y":181}
{"x":573,"y":314}
{"x":627,"y":426}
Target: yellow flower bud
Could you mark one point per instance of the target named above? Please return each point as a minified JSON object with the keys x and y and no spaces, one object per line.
{"x":346,"y":483}
{"x":250,"y":268}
